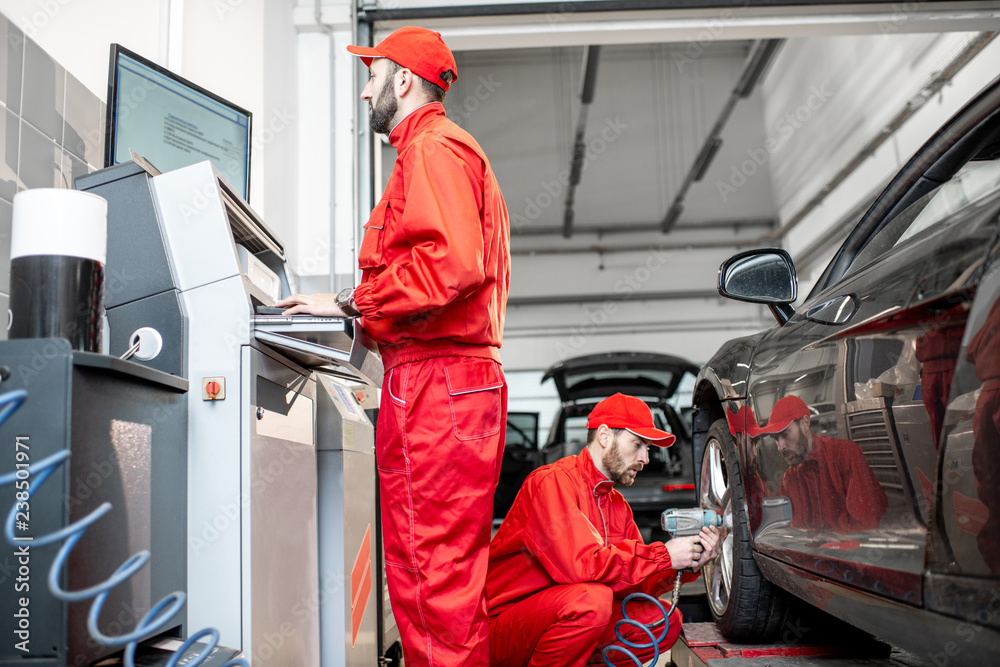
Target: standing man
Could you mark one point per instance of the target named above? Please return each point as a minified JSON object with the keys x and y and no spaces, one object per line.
{"x":435,"y":264}
{"x":830,"y":484}
{"x":569,"y":552}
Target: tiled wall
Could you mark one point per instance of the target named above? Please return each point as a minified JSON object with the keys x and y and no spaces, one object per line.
{"x":51,"y":131}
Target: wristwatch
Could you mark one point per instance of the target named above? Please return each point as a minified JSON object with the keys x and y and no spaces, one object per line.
{"x":345,"y":300}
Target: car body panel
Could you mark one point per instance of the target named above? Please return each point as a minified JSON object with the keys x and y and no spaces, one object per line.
{"x":865,"y":385}
{"x":892,"y":522}
{"x":940,"y":639}
{"x":968,"y":541}
{"x":728,"y":369}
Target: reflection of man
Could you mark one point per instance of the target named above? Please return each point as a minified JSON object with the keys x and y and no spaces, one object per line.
{"x":436,"y":270}
{"x":984,"y":353}
{"x":740,"y":422}
{"x":569,"y":551}
{"x":828,"y":480}
{"x":937,"y":352}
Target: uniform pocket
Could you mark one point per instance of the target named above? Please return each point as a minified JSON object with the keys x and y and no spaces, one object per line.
{"x":474,"y":396}
{"x":372,"y":248}
{"x":395,"y":394}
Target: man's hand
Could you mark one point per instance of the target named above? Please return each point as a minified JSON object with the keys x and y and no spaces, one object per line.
{"x":711,"y":544}
{"x":696,"y":550}
{"x":320,"y":305}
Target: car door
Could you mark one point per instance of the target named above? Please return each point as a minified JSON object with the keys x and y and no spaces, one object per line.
{"x":848,"y":397}
{"x":964,"y":562}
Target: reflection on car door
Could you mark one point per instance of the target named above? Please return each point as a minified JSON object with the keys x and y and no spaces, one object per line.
{"x":849,"y":400}
{"x":968,"y":542}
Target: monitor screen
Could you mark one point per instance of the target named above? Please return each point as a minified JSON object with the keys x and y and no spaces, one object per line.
{"x":172,"y":122}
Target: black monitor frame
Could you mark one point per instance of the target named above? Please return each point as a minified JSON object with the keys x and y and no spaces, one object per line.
{"x":111,"y":116}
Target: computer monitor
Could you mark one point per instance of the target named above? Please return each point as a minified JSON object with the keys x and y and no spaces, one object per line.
{"x":172,"y":122}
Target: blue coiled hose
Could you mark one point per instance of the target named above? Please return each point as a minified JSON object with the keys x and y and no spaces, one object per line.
{"x":654,"y":642}
{"x":154,"y":620}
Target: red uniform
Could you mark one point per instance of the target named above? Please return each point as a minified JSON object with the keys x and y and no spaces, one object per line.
{"x":436,"y":251}
{"x":564,"y":558}
{"x":834,"y":488}
{"x":436,"y":271}
{"x":937,"y":352}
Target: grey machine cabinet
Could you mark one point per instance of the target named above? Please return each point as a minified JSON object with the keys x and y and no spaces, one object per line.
{"x":189,"y":260}
{"x":125,"y":425}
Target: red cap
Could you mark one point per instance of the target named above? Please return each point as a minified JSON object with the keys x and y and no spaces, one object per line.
{"x":785,"y":411}
{"x":419,"y":50}
{"x":743,"y":421}
{"x":631,"y":414}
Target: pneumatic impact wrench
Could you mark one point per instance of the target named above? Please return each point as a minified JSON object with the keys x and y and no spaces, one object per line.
{"x":680,"y":523}
{"x":684,"y":523}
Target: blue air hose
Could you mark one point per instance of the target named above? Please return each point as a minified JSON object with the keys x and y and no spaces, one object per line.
{"x":654,"y":642}
{"x":154,"y":620}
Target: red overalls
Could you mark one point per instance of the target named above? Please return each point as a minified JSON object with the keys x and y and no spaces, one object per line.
{"x":436,"y":271}
{"x":834,"y":488}
{"x":565,"y":557}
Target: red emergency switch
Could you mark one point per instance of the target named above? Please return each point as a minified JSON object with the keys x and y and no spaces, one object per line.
{"x":213,"y":388}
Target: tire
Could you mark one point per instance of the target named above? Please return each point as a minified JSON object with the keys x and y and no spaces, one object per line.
{"x":745,"y":606}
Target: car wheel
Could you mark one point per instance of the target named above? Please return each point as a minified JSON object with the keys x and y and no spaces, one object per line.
{"x":745,"y":606}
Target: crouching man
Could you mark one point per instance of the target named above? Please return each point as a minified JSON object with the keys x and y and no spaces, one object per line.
{"x":569,"y":552}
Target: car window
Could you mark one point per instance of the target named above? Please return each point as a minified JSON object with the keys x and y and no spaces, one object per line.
{"x":575,"y":429}
{"x":975,"y":182}
{"x":522,"y":430}
{"x":591,"y":377}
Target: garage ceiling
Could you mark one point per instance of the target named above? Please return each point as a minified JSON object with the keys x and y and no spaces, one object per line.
{"x":663,"y":81}
{"x":653,"y":106}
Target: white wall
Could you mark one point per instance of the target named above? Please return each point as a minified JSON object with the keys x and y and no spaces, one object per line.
{"x":242,"y":50}
{"x":77,"y":33}
{"x":658,"y":102}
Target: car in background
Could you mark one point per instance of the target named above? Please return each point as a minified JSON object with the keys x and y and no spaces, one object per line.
{"x":520,"y":457}
{"x":667,"y":481}
{"x":853,"y":447}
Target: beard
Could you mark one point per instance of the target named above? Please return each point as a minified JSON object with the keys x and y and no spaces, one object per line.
{"x":615,"y":466}
{"x":796,"y":455}
{"x":383,"y":110}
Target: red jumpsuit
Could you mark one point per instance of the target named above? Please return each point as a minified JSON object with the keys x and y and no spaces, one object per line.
{"x":834,"y":488}
{"x":436,"y":272}
{"x":937,"y":352}
{"x":564,"y":558}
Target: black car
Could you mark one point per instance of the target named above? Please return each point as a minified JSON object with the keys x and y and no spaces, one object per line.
{"x":668,"y":479}
{"x":854,"y":446}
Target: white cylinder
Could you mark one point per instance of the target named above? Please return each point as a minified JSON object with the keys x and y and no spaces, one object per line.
{"x":56,"y":221}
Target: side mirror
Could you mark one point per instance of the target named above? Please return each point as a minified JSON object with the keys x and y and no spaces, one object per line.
{"x":765,"y":275}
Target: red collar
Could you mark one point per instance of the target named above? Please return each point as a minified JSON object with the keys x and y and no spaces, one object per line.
{"x":595,"y":479}
{"x":818,"y":452}
{"x":413,"y":124}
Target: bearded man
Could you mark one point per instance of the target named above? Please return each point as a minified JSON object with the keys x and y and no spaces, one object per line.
{"x":569,"y":552}
{"x":435,"y":262}
{"x":830,"y":484}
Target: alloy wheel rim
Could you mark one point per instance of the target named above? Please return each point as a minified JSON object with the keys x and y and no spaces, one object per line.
{"x":715,"y":495}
